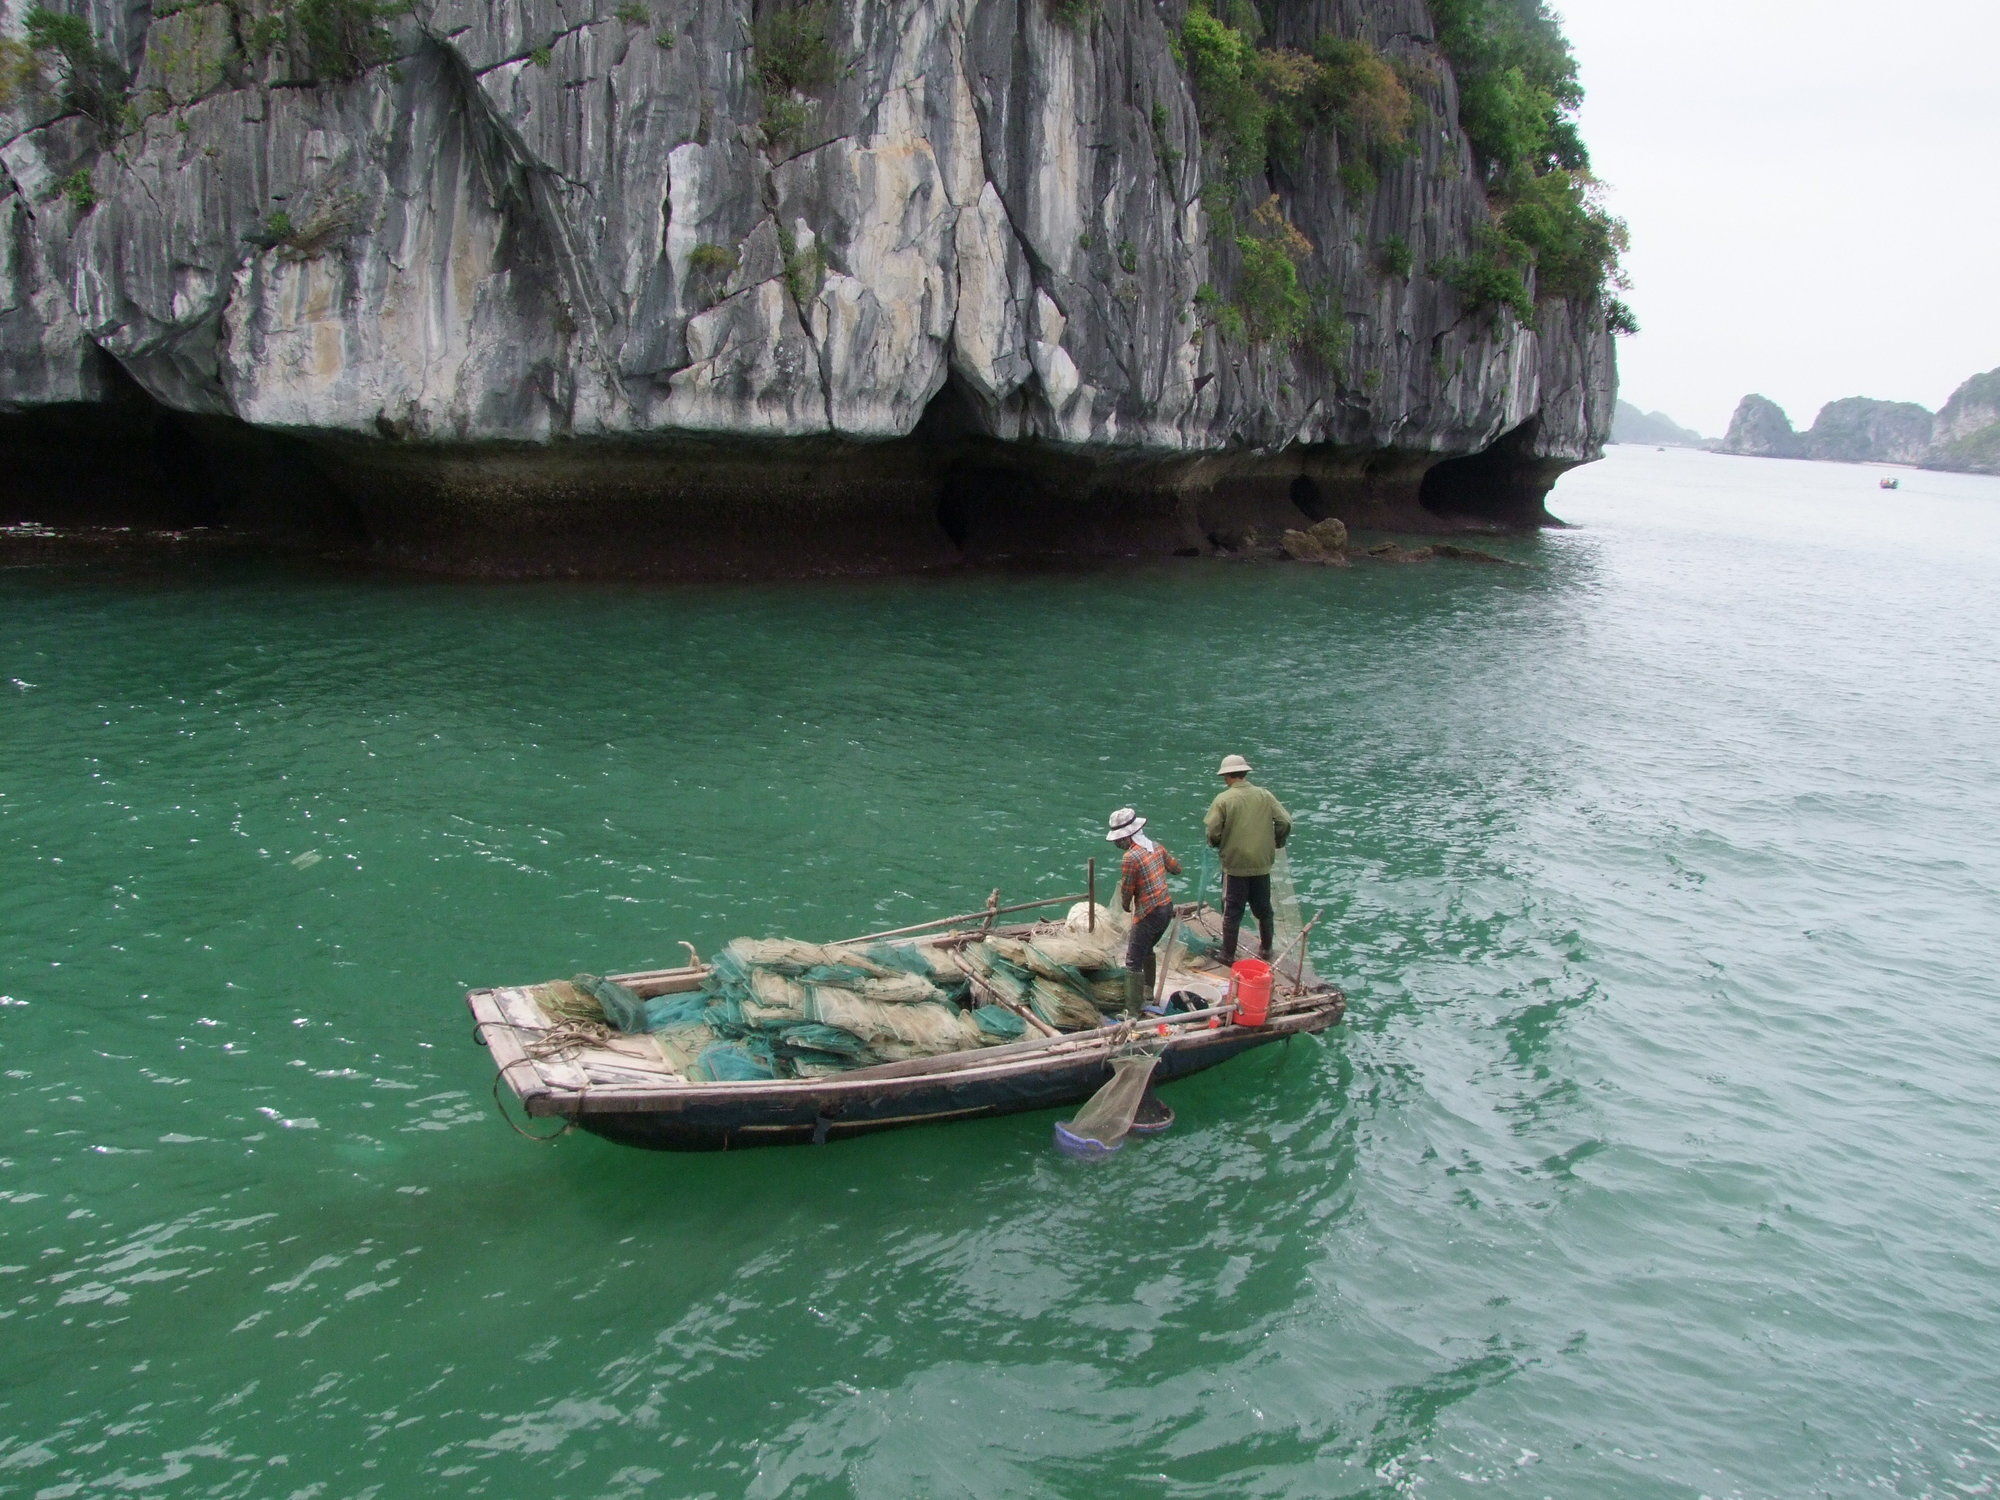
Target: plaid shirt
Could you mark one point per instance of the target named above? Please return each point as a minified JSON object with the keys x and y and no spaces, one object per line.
{"x":1145,"y":872}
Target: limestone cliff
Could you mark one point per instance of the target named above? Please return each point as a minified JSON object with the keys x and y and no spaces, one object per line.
{"x":528,"y":285}
{"x":1968,"y":428}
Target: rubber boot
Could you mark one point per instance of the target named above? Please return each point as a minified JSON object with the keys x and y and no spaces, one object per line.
{"x":1135,"y":993}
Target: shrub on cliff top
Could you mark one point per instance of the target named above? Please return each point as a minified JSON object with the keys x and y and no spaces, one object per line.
{"x":342,"y":39}
{"x":1575,"y":244}
{"x":1517,"y":85}
{"x":793,"y":58}
{"x":1518,"y":95}
{"x":93,"y":81}
{"x":1260,"y":103}
{"x":792,"y":50}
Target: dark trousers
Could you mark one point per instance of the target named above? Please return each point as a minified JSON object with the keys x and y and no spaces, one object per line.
{"x":1237,"y":891}
{"x":1147,"y":930}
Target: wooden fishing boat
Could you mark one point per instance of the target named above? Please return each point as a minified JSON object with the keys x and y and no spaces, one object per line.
{"x":612,"y":1093}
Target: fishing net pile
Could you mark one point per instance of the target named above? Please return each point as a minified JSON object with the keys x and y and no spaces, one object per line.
{"x":782,"y":1008}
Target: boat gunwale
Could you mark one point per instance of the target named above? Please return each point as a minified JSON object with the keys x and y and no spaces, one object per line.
{"x":1316,"y":1012}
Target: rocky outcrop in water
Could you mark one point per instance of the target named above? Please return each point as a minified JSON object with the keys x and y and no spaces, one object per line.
{"x":1860,"y":430}
{"x":1965,"y":436}
{"x":1760,"y":429}
{"x":544,"y":285}
{"x":1968,"y":429}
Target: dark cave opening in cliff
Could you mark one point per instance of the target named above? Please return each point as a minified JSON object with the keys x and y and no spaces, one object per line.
{"x":1305,"y":493}
{"x":127,"y":461}
{"x":1502,"y":486}
{"x":988,"y":508}
{"x":985,"y":504}
{"x":124,"y":460}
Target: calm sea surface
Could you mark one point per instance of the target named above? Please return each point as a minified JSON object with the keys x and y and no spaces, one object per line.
{"x":1658,"y":1158}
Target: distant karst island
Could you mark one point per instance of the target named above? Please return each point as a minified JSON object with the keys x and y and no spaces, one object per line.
{"x":1631,"y":425}
{"x":1964,"y":436}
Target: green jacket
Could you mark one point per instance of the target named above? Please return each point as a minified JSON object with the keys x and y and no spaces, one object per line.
{"x":1249,"y":826}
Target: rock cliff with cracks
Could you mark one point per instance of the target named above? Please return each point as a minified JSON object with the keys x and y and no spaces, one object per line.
{"x":544,"y":285}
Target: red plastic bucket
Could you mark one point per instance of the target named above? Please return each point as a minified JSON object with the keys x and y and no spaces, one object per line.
{"x":1251,"y":985}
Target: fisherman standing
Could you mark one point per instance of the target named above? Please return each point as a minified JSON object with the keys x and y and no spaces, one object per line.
{"x":1247,"y":826}
{"x":1142,"y":890}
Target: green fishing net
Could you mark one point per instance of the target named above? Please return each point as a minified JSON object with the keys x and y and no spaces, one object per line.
{"x":623,"y":1009}
{"x":780,"y":1008}
{"x":1106,"y":1117}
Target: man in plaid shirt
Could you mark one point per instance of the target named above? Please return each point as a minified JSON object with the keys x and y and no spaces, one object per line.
{"x":1142,"y":890}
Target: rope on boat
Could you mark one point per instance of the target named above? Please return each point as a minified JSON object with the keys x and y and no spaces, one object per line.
{"x":569,"y":1121}
{"x":562,"y":1041}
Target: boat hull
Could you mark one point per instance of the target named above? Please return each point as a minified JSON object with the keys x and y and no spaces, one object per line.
{"x":785,"y":1116}
{"x":745,"y":1121}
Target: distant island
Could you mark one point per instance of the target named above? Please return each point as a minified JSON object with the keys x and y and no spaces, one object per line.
{"x":1630,"y":425}
{"x":1964,"y":437}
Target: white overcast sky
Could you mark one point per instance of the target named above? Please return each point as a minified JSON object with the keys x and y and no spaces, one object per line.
{"x":1813,"y":188}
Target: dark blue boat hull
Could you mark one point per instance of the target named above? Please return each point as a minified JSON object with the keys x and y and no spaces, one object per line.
{"x":787,"y":1117}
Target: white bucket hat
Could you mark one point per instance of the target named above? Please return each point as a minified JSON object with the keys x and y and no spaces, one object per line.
{"x":1124,"y":824}
{"x":1233,"y":765}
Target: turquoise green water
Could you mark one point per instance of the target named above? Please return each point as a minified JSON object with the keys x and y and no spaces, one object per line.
{"x":1656,"y":1159}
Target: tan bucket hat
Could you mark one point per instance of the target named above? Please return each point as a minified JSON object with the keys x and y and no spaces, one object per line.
{"x":1233,"y":765}
{"x":1124,"y":823}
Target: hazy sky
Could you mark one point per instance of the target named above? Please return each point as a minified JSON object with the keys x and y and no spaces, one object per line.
{"x":1814,"y":193}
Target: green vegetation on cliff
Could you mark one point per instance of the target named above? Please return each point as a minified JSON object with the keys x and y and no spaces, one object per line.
{"x":1260,"y":105}
{"x":93,"y":81}
{"x":794,"y":59}
{"x":1517,"y":100}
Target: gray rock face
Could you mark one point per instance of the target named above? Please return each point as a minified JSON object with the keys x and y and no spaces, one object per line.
{"x":563,"y":287}
{"x":1760,"y":429}
{"x":1968,"y":429}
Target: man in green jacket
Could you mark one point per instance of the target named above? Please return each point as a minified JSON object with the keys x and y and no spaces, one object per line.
{"x":1247,"y":826}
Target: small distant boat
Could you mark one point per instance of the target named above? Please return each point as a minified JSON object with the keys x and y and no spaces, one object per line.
{"x":617,"y":1096}
{"x":1892,"y":484}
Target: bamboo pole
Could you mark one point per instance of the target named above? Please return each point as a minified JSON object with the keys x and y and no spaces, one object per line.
{"x":984,"y":911}
{"x":1299,"y":981}
{"x":995,"y":997}
{"x":1090,"y":891}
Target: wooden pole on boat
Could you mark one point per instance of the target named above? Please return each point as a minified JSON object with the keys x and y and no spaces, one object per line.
{"x":1299,"y":979}
{"x":1090,"y":892}
{"x":994,"y":997}
{"x":992,"y":910}
{"x":985,"y":911}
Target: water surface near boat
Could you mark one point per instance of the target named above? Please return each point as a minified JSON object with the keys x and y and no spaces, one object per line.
{"x":1654,"y":1158}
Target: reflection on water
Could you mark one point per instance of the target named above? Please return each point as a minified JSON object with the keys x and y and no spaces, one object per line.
{"x":1653,"y":1160}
